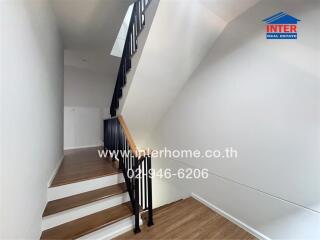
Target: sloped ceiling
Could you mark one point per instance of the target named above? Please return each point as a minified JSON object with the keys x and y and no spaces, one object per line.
{"x":228,"y":9}
{"x":181,"y":34}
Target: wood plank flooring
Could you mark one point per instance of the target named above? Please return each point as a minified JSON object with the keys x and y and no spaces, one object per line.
{"x":188,"y":219}
{"x":66,"y":203}
{"x":83,"y":164}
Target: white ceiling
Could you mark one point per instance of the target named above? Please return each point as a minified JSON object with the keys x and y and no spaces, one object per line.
{"x":228,"y":9}
{"x":89,"y":29}
{"x":96,"y":62}
{"x":90,"y":24}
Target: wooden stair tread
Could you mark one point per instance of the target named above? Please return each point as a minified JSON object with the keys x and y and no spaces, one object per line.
{"x":66,"y":203}
{"x":83,"y":164}
{"x":88,"y":224}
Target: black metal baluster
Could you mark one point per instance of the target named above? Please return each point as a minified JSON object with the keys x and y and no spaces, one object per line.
{"x":139,"y":16}
{"x":131,"y":170}
{"x":141,"y":190}
{"x":136,"y":197}
{"x":122,"y":144}
{"x":150,"y":213}
{"x":126,"y":149}
{"x":145,"y":182}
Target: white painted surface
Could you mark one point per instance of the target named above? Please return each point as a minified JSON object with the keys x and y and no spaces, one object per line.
{"x":118,"y":46}
{"x":149,"y":17}
{"x":83,"y":127}
{"x":31,"y":111}
{"x":88,"y":29}
{"x":113,"y":230}
{"x":89,"y":62}
{"x":262,"y":98}
{"x":236,"y":221}
{"x":84,"y":210}
{"x":228,"y":9}
{"x":83,"y":186}
{"x":90,"y":25}
{"x":88,"y":89}
{"x":55,"y":170}
{"x":180,"y":36}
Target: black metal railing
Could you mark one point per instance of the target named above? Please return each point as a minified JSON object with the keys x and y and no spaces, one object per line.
{"x":136,"y":170}
{"x":136,"y":25}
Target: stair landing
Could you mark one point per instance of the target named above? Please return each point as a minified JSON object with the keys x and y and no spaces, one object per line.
{"x":83,"y":164}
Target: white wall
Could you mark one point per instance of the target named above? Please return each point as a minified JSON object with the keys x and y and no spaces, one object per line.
{"x":262,"y":98}
{"x":175,"y":46}
{"x":83,"y":127}
{"x":87,"y":96}
{"x":89,"y":81}
{"x":31,"y":113}
{"x":135,"y":59}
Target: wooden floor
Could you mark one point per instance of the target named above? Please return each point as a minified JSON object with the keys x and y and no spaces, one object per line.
{"x":83,"y":164}
{"x":188,"y":219}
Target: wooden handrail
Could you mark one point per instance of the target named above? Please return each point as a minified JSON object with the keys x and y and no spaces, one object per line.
{"x":128,"y":135}
{"x":136,"y":152}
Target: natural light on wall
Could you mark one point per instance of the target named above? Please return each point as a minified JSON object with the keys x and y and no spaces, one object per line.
{"x":121,"y":38}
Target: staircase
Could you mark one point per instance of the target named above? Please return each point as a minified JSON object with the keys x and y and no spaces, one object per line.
{"x":86,"y":203}
{"x":101,"y":198}
{"x":94,"y":197}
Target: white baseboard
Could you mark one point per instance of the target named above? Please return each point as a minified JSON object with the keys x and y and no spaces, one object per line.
{"x":231,"y":218}
{"x":55,"y":171}
{"x":84,"y":146}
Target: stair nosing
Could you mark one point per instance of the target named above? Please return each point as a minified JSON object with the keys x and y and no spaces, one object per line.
{"x":97,"y":227}
{"x":86,"y":202}
{"x":83,"y":180}
{"x":103,"y":225}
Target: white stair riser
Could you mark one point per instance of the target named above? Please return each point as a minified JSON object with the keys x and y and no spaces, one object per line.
{"x":83,"y":186}
{"x":84,"y":210}
{"x":113,"y":230}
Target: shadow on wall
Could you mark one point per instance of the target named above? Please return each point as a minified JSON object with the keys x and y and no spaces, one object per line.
{"x":261,"y":97}
{"x":35,"y":12}
{"x":246,"y":31}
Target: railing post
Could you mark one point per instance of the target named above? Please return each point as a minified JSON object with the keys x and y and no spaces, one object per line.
{"x":150,"y":214}
{"x":136,"y":197}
